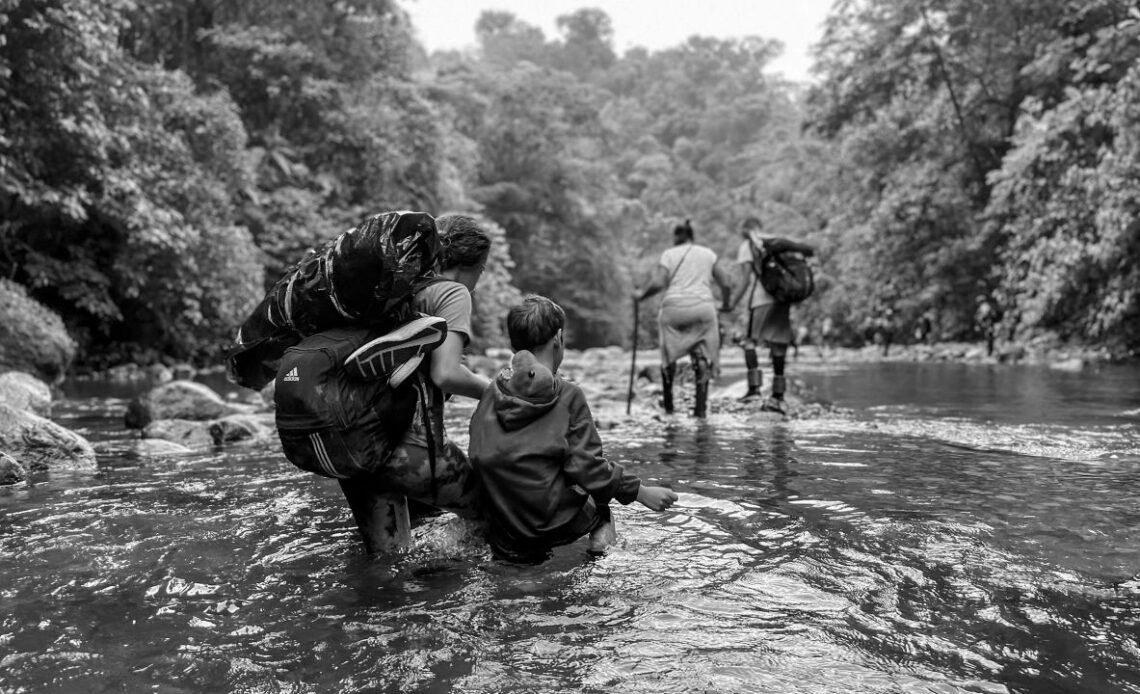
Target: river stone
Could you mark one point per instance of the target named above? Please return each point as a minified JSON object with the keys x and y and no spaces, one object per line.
{"x":25,"y":392}
{"x":159,"y":373}
{"x":242,"y":427}
{"x":149,"y":448}
{"x":190,"y":433}
{"x":1074,"y":365}
{"x":183,"y":371}
{"x":11,"y":472}
{"x":33,"y":339}
{"x":177,"y":400}
{"x":41,"y":444}
{"x":122,"y":373}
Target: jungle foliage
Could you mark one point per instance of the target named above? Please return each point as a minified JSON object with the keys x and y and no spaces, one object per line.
{"x":161,"y":162}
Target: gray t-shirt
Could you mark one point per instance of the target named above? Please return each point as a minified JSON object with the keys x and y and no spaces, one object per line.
{"x":452,"y":302}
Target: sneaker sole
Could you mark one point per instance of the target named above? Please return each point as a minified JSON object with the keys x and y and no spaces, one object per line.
{"x":383,"y":356}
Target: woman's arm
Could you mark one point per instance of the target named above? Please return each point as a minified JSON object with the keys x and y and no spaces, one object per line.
{"x":450,"y":374}
{"x":725,"y":284}
{"x":659,"y":282}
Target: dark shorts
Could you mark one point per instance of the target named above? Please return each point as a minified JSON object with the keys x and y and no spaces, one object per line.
{"x":593,"y":517}
{"x":452,"y":485}
{"x":771,"y":323}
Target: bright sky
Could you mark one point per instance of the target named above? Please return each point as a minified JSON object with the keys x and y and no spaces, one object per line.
{"x":654,"y":24}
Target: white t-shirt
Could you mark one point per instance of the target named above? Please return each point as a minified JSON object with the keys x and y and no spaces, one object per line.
{"x":759,"y":295}
{"x":691,"y":268}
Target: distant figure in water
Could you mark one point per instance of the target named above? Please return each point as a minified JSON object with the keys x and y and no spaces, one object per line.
{"x":537,"y":452}
{"x":885,"y":326}
{"x":687,"y":321}
{"x":923,"y":329}
{"x":986,"y":318}
{"x":827,"y":332}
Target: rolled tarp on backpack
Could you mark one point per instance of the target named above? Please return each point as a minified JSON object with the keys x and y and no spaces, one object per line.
{"x":363,"y":276}
{"x":366,"y":277}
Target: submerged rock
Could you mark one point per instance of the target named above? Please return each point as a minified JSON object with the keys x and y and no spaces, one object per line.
{"x":1073,"y":364}
{"x":242,"y":427}
{"x":179,"y":400}
{"x":11,"y":472}
{"x":40,"y":444}
{"x":150,"y":448}
{"x":190,"y":433}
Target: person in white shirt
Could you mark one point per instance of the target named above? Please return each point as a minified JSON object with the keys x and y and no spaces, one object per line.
{"x":687,"y":320}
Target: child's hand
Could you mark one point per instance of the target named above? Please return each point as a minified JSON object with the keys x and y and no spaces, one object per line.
{"x":656,"y":498}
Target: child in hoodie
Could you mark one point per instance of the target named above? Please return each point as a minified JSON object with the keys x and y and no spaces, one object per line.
{"x":538,"y":454}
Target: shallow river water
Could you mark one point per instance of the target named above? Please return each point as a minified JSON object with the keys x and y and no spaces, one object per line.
{"x":953,"y":528}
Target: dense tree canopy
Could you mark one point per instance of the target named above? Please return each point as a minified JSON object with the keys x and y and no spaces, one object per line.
{"x":983,"y":152}
{"x":161,"y":162}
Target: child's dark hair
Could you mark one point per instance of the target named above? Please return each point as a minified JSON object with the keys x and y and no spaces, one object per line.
{"x":534,"y":322}
{"x":464,"y":242}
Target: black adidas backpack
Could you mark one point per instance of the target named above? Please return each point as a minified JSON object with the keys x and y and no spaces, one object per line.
{"x":331,"y":423}
{"x":365,"y":277}
{"x":785,"y":274}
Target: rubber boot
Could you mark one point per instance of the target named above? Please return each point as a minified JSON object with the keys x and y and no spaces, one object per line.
{"x":755,"y":380}
{"x":755,"y":377}
{"x":775,"y":403}
{"x":703,"y":376}
{"x":667,"y":388}
{"x":384,"y":522}
{"x":779,"y":387}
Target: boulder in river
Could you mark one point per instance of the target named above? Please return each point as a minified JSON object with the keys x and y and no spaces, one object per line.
{"x":179,"y":400}
{"x":11,"y":472}
{"x":23,"y":391}
{"x":190,"y":433}
{"x":243,"y":427}
{"x":41,"y":444}
{"x":33,"y":339}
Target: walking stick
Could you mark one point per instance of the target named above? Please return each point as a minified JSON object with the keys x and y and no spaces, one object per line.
{"x":633,"y":360}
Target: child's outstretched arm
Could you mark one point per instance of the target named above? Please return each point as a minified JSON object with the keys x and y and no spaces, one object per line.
{"x":656,"y":498}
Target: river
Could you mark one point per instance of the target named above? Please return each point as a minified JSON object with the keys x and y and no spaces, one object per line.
{"x":950,"y":528}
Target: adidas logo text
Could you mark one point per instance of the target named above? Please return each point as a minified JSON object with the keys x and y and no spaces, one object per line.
{"x":292,"y":375}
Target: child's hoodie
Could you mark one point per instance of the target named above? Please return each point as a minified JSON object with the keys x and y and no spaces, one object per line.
{"x":539,"y":456}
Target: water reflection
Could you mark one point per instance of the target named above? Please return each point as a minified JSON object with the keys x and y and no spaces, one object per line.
{"x":902,"y":550}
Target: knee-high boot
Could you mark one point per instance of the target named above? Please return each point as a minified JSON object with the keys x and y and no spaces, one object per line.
{"x":779,"y":387}
{"x":779,"y":382}
{"x":703,"y":376}
{"x":755,"y":376}
{"x":667,"y":388}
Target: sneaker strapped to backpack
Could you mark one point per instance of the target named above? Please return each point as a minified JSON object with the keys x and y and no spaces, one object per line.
{"x":396,"y":355}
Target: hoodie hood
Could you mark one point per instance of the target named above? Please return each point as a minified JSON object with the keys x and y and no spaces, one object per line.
{"x":524,"y":391}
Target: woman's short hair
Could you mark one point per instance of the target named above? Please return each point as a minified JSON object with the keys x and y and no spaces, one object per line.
{"x":464,"y":242}
{"x":683,"y":231}
{"x":534,"y":322}
{"x":753,"y":223}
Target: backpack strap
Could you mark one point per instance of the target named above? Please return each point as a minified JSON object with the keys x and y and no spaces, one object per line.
{"x":434,"y":438}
